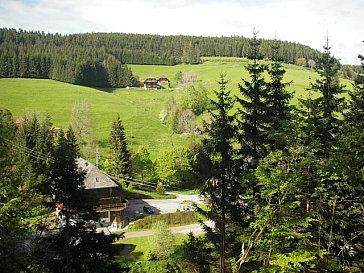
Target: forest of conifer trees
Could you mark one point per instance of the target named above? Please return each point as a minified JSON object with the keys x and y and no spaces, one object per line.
{"x":99,"y":59}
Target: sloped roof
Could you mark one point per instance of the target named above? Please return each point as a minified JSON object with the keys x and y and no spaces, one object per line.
{"x":151,"y":80}
{"x":96,"y":179}
{"x":163,"y":78}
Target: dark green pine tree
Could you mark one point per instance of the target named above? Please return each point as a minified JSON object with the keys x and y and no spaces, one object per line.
{"x":38,"y":140}
{"x":337,"y":180}
{"x":44,"y":150}
{"x":74,"y":246}
{"x":30,"y":129}
{"x":348,"y":166}
{"x":223,"y":189}
{"x":328,"y":105}
{"x":121,"y":166}
{"x":253,"y":111}
{"x":355,"y":114}
{"x":278,"y":98}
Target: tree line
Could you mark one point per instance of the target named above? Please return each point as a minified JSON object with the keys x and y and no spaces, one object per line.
{"x":100,"y":59}
{"x":38,"y":55}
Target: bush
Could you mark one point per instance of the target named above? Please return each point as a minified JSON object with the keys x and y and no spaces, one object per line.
{"x":162,"y":243}
{"x":160,"y":188}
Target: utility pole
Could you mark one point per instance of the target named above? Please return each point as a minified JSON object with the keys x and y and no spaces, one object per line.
{"x":97,"y":157}
{"x":131,"y":138}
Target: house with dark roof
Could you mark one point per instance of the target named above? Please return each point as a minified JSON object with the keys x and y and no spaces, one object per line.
{"x":109,"y":193}
{"x":151,"y":84}
{"x":163,"y":79}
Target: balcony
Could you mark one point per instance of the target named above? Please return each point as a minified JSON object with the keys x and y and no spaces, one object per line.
{"x":111,"y":203}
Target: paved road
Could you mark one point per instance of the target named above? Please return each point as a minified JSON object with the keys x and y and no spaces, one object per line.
{"x":194,"y":228}
{"x":160,"y":206}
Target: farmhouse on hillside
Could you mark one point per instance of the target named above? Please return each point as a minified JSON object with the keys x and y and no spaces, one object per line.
{"x":151,"y":84}
{"x":162,"y":80}
{"x":108,"y":191}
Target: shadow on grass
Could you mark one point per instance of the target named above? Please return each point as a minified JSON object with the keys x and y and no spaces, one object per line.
{"x":130,"y":195}
{"x":105,"y":89}
{"x":137,"y":255}
{"x":124,"y":250}
{"x":103,"y":143}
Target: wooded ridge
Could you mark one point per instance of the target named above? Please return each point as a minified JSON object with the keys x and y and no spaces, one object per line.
{"x":99,"y":59}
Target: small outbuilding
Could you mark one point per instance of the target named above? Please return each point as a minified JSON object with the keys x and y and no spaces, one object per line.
{"x":198,"y":131}
{"x":163,"y":80}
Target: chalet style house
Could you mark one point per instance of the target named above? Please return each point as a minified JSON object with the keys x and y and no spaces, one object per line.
{"x":153,"y":84}
{"x":108,"y":191}
{"x":162,"y":80}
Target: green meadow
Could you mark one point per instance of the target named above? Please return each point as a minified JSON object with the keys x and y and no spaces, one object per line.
{"x":140,"y":245}
{"x":139,"y":109}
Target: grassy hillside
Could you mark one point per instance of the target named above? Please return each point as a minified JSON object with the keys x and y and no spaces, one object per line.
{"x":234,"y":68}
{"x":139,"y":109}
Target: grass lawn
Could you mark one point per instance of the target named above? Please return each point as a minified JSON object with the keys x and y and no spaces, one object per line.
{"x":174,"y":219}
{"x":138,"y":109}
{"x":139,"y":245}
{"x":142,"y":194}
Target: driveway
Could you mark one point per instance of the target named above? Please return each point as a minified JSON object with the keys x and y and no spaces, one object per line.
{"x":160,"y":206}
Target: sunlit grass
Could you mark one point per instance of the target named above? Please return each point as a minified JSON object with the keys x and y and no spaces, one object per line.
{"x":139,"y":109}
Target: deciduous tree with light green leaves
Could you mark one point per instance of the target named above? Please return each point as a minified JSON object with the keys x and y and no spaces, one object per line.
{"x":162,"y":243}
{"x":195,"y":98}
{"x":143,"y":166}
{"x":279,"y":236}
{"x":83,"y":126}
{"x":173,"y":166}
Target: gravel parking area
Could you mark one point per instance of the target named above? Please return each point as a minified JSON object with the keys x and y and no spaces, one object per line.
{"x":160,"y":206}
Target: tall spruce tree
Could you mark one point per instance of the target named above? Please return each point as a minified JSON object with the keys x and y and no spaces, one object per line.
{"x":45,"y":147}
{"x":335,"y":179}
{"x":119,"y":152}
{"x":278,"y":98}
{"x":348,"y":166}
{"x":355,"y":114}
{"x":253,"y":111}
{"x":328,"y":104}
{"x":223,"y":189}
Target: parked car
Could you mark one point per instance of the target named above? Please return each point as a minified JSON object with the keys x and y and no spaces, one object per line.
{"x":148,"y":210}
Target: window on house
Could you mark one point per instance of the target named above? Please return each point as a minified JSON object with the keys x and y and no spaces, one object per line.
{"x":104,"y":214}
